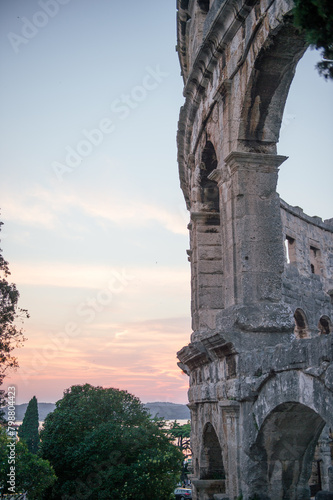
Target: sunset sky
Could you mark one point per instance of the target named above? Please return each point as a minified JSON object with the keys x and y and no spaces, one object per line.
{"x":95,"y":222}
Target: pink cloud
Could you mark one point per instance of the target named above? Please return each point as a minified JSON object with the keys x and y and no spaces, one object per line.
{"x":139,"y":357}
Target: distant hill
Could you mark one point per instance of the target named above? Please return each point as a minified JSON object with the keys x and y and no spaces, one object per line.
{"x":169,"y":411}
{"x":43,"y":410}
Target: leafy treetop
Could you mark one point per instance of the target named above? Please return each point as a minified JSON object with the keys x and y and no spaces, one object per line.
{"x":103,"y":444}
{"x":33,"y":475}
{"x":28,"y":431}
{"x":315,"y":17}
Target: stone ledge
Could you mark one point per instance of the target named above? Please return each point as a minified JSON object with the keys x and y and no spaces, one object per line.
{"x":207,"y":484}
{"x":314,"y":220}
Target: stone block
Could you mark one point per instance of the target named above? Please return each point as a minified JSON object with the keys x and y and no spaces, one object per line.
{"x":211,"y":297}
{"x":209,"y":239}
{"x":210,"y":266}
{"x":207,"y":252}
{"x":205,"y":280}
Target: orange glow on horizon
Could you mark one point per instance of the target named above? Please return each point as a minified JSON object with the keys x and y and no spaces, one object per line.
{"x":139,"y":358}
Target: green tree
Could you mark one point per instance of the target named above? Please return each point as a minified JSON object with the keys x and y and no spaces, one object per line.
{"x":11,"y":335}
{"x":28,"y":431}
{"x":33,"y":475}
{"x":181,"y":433}
{"x":102,"y":444}
{"x":315,"y":17}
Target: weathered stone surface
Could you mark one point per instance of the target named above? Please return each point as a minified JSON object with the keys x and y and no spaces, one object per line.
{"x":261,"y":358}
{"x":324,"y":495}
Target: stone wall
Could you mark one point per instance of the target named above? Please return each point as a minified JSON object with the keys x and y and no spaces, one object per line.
{"x":308,"y":276}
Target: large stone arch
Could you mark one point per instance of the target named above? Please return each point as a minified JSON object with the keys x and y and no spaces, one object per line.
{"x":290,"y":414}
{"x":283,"y":452}
{"x":268,"y":86}
{"x":298,"y":387}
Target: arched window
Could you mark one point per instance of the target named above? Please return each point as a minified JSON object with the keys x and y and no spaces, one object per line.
{"x":301,"y":324}
{"x":209,"y":188}
{"x":325,"y":325}
{"x":211,"y":464}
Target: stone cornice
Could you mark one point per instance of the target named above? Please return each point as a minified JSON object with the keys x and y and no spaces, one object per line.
{"x":223,"y":27}
{"x":216,"y":175}
{"x":229,"y":404}
{"x":239,"y":159}
{"x":262,"y":161}
{"x":228,"y":19}
{"x":202,"y":216}
{"x":200,"y":353}
{"x":192,"y":356}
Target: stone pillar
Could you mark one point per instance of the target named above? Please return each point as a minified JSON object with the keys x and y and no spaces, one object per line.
{"x":325,"y":464}
{"x":194,"y":439}
{"x":251,"y":228}
{"x":206,"y":269}
{"x":230,"y":422}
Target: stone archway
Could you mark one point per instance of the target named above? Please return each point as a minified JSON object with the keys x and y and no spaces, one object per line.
{"x":268,"y":87}
{"x":290,"y":413}
{"x":284,"y":452}
{"x":211,"y":481}
{"x":209,"y":188}
{"x":211,"y":463}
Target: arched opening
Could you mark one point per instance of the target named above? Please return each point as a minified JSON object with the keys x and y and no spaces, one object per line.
{"x":268,"y":88}
{"x":301,"y":324}
{"x":284,"y":452}
{"x":305,"y":137}
{"x":209,"y":188}
{"x":325,"y":325}
{"x":211,"y":463}
{"x":322,"y":471}
{"x":204,"y":5}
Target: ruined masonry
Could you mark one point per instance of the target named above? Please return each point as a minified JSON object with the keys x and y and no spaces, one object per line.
{"x":260,"y":361}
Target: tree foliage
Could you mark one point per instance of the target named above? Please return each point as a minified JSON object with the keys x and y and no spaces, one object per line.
{"x":181,"y":433}
{"x":103,"y":445}
{"x":28,"y":431}
{"x":33,"y":475}
{"x":11,"y":335}
{"x":315,"y":17}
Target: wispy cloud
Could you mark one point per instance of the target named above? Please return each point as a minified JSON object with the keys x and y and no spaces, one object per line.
{"x":48,"y":208}
{"x":65,"y":275}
